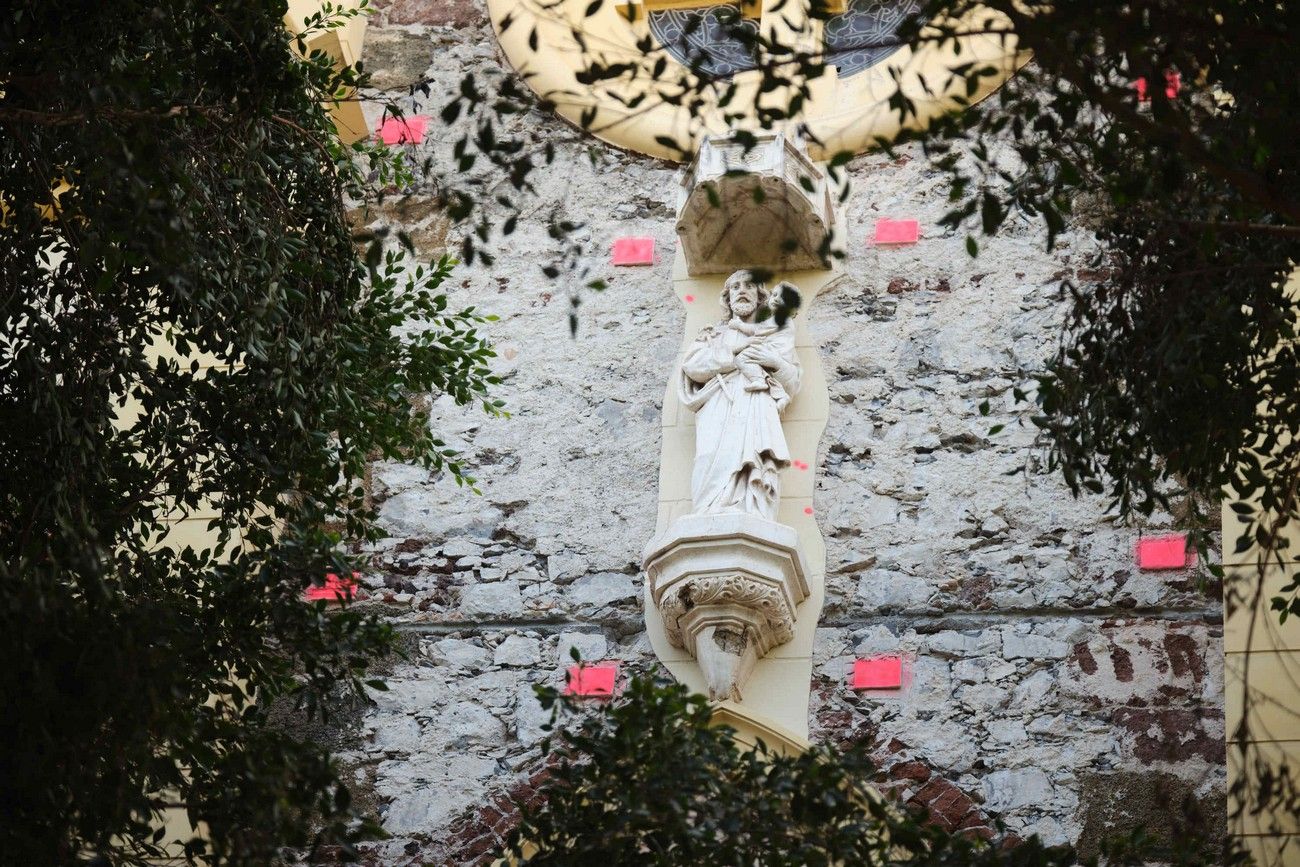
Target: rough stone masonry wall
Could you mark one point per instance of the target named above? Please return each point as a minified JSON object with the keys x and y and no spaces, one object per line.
{"x":1053,"y":685}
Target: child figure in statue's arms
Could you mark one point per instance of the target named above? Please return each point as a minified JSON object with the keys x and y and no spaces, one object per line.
{"x":756,"y":375}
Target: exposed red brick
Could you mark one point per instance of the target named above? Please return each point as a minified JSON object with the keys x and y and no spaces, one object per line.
{"x":479,"y":847}
{"x":838,"y":720}
{"x":960,"y":806}
{"x":944,"y":820}
{"x":1083,"y":657}
{"x":910,"y":771}
{"x":931,"y":791}
{"x":1170,"y":734}
{"x":946,"y":804}
{"x":947,"y":799}
{"x":435,"y":13}
{"x":1184,"y":655}
{"x":1123,"y":663}
{"x":974,"y":592}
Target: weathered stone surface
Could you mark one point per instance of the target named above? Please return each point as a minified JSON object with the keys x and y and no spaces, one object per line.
{"x":517,"y":650}
{"x":531,"y":719}
{"x":433,"y":13}
{"x":601,"y":589}
{"x":1040,"y":660}
{"x":1026,"y":645}
{"x":396,"y":59}
{"x":1115,"y":804}
{"x":490,"y":601}
{"x":590,"y":647}
{"x":1008,"y":790}
{"x":455,"y":651}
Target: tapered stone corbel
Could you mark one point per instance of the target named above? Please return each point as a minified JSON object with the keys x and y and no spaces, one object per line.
{"x":727,"y":587}
{"x":754,"y":201}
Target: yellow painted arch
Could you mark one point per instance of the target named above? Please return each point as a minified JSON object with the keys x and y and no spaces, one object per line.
{"x":550,"y":44}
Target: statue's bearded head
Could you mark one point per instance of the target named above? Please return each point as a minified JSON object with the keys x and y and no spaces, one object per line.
{"x":742,"y":295}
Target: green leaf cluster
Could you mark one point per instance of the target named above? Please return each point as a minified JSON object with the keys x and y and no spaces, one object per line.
{"x":648,"y":779}
{"x":188,"y":328}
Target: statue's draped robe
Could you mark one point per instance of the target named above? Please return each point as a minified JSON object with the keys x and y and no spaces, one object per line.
{"x":740,"y":449}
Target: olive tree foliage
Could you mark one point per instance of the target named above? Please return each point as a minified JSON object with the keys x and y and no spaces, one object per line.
{"x":649,"y":780}
{"x":188,"y":328}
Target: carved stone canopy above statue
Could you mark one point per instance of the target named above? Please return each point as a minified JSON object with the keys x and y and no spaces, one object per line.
{"x":753,"y":201}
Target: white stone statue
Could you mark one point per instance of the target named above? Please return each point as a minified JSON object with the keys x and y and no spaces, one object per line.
{"x":738,"y":377}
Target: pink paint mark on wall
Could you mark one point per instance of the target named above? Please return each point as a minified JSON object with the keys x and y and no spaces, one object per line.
{"x":595,"y":681}
{"x":403,"y":130}
{"x":634,"y":251}
{"x":880,"y":672}
{"x":690,"y":299}
{"x":335,"y":589}
{"x":807,"y":510}
{"x":897,"y":231}
{"x":1164,"y":552}
{"x":1173,"y":85}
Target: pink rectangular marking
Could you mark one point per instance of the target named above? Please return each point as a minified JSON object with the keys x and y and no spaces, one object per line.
{"x":1164,"y":552}
{"x":335,"y":589}
{"x":1173,"y":84}
{"x":881,"y":672}
{"x":403,"y":130}
{"x":592,"y":680}
{"x":634,"y":251}
{"x":897,"y":231}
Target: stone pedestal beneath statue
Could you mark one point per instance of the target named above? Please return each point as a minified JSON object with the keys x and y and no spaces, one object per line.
{"x":727,"y":587}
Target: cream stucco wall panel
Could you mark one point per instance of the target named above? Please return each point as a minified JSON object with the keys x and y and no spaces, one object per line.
{"x":751,"y":728}
{"x":1272,"y":849}
{"x":1277,"y":823}
{"x":1252,"y":625}
{"x":344,"y":45}
{"x":1274,"y":679}
{"x":1262,"y":672}
{"x":846,"y":114}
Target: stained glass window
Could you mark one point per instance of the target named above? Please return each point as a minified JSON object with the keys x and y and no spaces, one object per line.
{"x":865,"y":34}
{"x":719,"y":42}
{"x":716,"y":40}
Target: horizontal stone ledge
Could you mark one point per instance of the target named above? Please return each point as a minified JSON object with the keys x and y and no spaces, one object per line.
{"x":955,"y":619}
{"x":548,"y":625}
{"x":934,"y":621}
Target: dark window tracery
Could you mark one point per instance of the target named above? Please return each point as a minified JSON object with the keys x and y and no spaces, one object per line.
{"x":865,"y":34}
{"x":717,"y":41}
